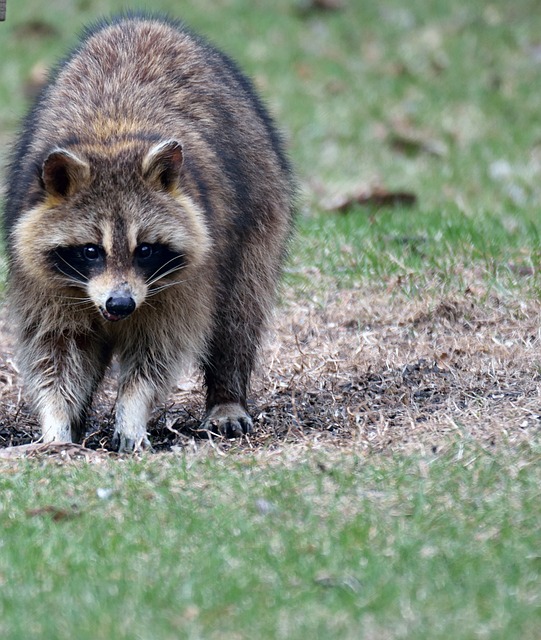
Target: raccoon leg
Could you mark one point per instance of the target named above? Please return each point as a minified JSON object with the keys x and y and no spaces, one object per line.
{"x":147,"y":374}
{"x":62,"y":372}
{"x":248,"y":277}
{"x":230,"y":360}
{"x":61,"y":422}
{"x":135,"y":400}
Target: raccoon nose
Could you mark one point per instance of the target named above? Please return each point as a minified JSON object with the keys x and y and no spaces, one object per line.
{"x":120,"y":305}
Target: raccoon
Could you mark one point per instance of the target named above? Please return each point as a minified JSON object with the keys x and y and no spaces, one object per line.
{"x":148,"y":209}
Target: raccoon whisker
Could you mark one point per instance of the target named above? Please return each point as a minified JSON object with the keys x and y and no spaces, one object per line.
{"x":85,"y":279}
{"x":157,"y":275}
{"x":76,"y":301}
{"x":154,"y":277}
{"x":163,"y":275}
{"x":148,"y":280}
{"x":84,"y":304}
{"x":66,"y":280}
{"x":69,"y":279}
{"x":151,"y":285}
{"x":150,"y":305}
{"x":86,"y":299}
{"x":153,"y":292}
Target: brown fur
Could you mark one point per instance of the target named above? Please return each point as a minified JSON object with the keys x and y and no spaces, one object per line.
{"x":147,"y":135}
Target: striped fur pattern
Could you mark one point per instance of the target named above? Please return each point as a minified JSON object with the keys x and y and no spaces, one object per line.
{"x":148,"y":210}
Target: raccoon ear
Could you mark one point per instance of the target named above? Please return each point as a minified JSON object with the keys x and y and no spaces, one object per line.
{"x":63,"y":173}
{"x":162,"y":164}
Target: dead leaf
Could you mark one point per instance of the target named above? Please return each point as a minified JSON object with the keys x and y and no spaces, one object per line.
{"x":56,"y":513}
{"x":310,"y":6}
{"x":330,"y":581}
{"x":375,"y":197}
{"x":36,"y":28}
{"x":521,"y":269}
{"x":415,"y":142}
{"x":304,"y":71}
{"x":37,"y":80}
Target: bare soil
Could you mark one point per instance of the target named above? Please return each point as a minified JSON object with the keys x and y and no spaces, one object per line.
{"x":370,"y":370}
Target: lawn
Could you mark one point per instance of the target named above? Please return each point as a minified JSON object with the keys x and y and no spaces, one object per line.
{"x":301,"y":545}
{"x":391,"y":489}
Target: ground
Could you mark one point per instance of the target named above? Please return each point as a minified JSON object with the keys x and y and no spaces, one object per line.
{"x":367,"y":368}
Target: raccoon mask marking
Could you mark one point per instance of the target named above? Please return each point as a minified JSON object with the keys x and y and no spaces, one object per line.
{"x":78,"y":264}
{"x":153,"y":262}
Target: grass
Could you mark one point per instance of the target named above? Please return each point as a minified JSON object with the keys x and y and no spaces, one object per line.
{"x":426,"y":252}
{"x":305,"y":541}
{"x":315,"y":546}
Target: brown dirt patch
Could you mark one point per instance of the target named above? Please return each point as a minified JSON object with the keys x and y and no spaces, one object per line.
{"x":359,"y":369}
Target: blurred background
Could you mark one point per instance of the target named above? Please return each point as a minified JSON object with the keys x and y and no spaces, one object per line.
{"x":427,"y":105}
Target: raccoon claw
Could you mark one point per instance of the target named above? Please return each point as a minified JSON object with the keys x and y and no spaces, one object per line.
{"x":233,"y":428}
{"x":124,"y":444}
{"x":229,"y":420}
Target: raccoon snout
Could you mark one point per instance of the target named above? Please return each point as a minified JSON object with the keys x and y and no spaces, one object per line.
{"x":118,"y":306}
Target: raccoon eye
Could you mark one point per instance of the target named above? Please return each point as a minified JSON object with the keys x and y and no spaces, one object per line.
{"x":143,"y":251}
{"x":91,"y":252}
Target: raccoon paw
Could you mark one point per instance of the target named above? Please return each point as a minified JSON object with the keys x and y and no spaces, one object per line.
{"x":229,"y":420}
{"x":124,"y":444}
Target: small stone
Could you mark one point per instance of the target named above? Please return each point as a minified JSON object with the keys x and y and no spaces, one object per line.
{"x":104,"y":494}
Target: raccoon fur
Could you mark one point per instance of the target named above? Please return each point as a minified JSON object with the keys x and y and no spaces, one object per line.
{"x":148,"y":208}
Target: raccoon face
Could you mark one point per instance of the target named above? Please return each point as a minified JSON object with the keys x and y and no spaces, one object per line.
{"x":117,"y":239}
{"x":117,"y":289}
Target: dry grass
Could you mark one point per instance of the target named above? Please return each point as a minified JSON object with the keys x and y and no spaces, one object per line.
{"x":363,"y":369}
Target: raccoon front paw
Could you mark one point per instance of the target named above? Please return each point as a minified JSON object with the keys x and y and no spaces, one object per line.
{"x":229,"y":420}
{"x":125,"y":444}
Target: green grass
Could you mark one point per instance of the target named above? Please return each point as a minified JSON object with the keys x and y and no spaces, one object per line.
{"x":445,"y":249}
{"x":320,"y":545}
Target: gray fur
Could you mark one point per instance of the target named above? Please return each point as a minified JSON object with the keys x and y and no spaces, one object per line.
{"x":147,"y":136}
